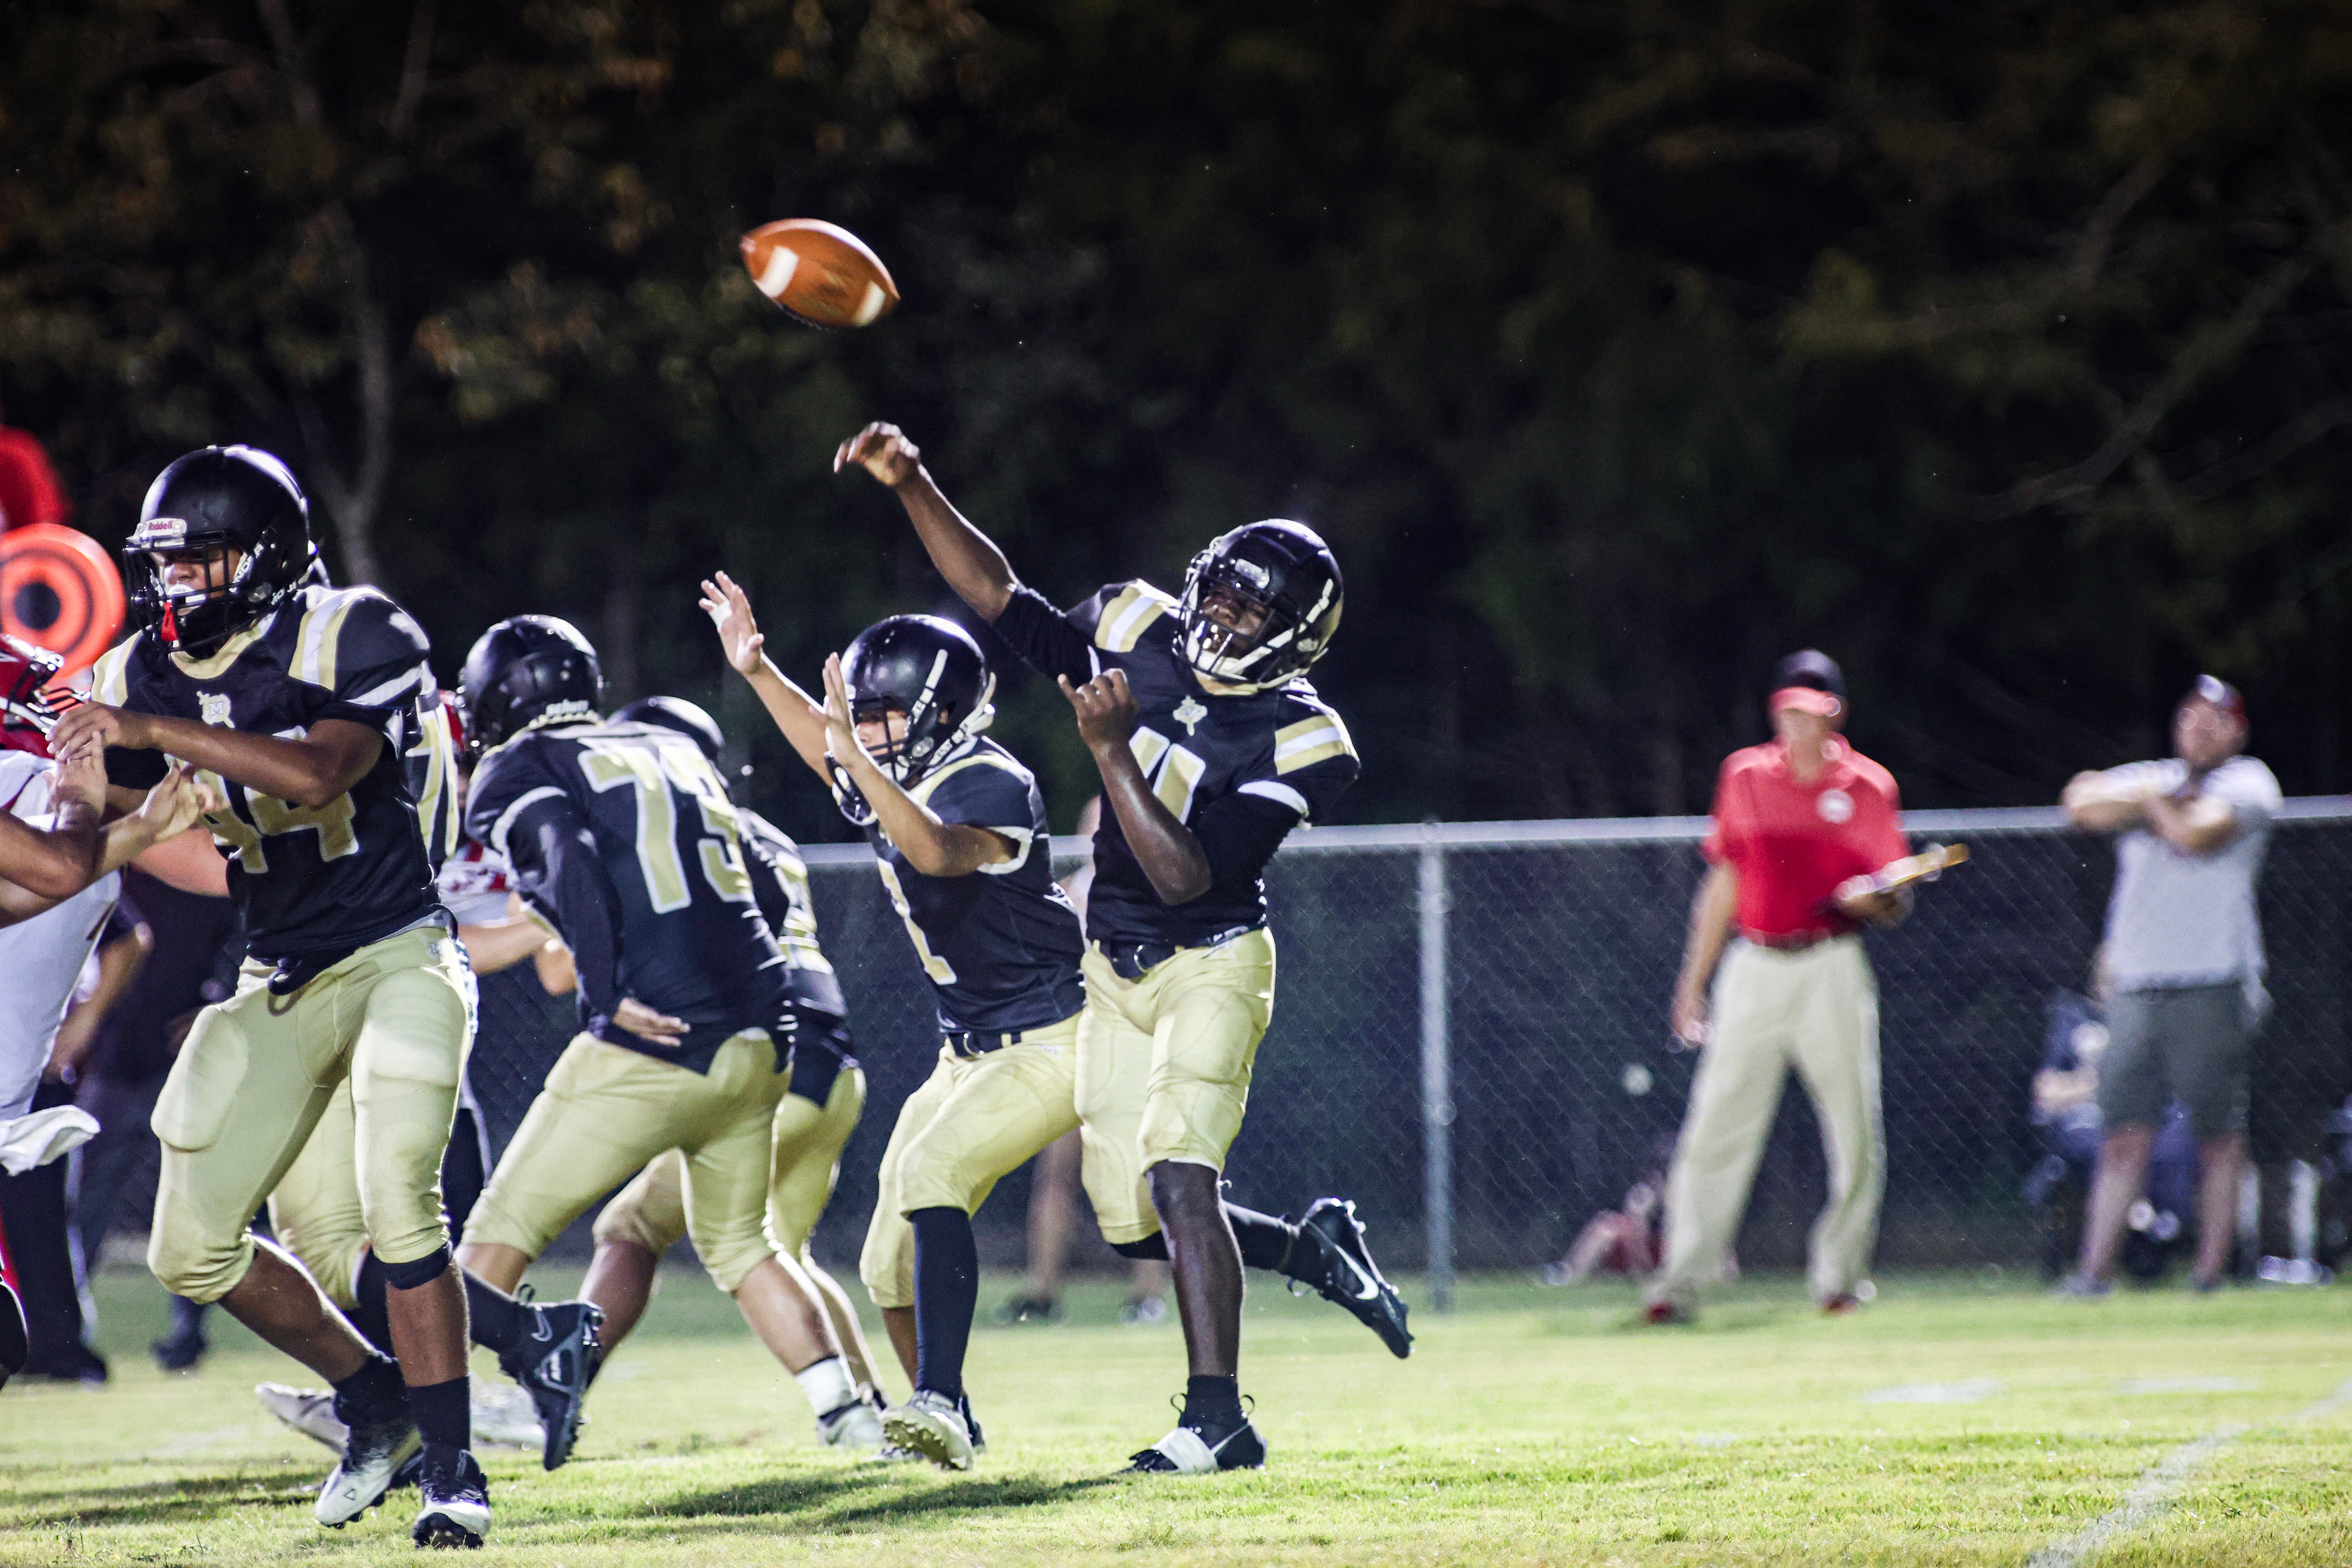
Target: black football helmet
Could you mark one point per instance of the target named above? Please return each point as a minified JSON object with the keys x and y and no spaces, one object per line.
{"x":928,"y":670}
{"x":528,"y":670}
{"x":206,"y":504}
{"x":687,"y":719}
{"x":24,"y":719}
{"x":1278,"y":567}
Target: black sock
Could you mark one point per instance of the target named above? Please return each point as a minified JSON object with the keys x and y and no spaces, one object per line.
{"x":187,"y":1317}
{"x":444,"y":1412}
{"x":1213,"y":1403}
{"x":1270,"y":1243}
{"x":496,"y":1320}
{"x":946,"y":1292}
{"x":371,"y":1316}
{"x":375,"y":1386}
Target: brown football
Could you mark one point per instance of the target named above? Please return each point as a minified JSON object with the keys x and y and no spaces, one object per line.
{"x":820,"y":272}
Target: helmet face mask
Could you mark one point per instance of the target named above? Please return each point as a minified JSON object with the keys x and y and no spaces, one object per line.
{"x":931,"y":673}
{"x":235,"y":511}
{"x":1260,"y":604}
{"x":24,"y":717}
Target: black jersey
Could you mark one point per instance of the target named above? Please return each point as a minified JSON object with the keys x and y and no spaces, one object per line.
{"x":308,"y":879}
{"x":1001,"y":944}
{"x":1239,"y":769}
{"x":780,"y":881}
{"x":623,"y":837}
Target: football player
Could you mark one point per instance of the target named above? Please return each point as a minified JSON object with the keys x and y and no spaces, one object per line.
{"x":961,"y":841}
{"x":549,"y":1347}
{"x":621,"y":836}
{"x":813,"y":1122}
{"x":1212,"y":748}
{"x":58,"y":884}
{"x":288,"y":695}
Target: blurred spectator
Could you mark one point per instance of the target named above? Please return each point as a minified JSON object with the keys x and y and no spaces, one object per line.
{"x":2066,"y":1109}
{"x":1053,"y":1187}
{"x":2184,"y":953}
{"x":1629,"y":1241}
{"x":118,"y":1064}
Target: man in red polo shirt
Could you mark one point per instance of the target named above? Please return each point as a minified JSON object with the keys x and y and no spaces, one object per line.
{"x":1801,"y":824}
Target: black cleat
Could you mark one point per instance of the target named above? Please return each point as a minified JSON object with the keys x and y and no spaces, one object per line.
{"x":1351,"y":1278}
{"x":556,"y":1362}
{"x":456,"y":1509}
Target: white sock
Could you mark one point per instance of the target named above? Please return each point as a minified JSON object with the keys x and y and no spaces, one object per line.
{"x":827,"y":1384}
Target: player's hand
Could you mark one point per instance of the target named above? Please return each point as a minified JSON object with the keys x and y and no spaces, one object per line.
{"x":1689,"y":1016}
{"x":840,"y":734}
{"x":883,"y":452}
{"x":174,"y":806}
{"x":1106,"y":708}
{"x":1861,"y":899}
{"x":88,"y":723}
{"x":729,"y":609}
{"x":80,"y":778}
{"x":654,"y":1028}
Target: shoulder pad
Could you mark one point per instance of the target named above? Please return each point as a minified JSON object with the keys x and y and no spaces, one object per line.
{"x":986,"y":756}
{"x":110,"y":678}
{"x":347,"y":635}
{"x":1308,"y":731}
{"x":1125,"y":611}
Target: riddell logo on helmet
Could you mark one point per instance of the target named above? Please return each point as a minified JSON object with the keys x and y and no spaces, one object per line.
{"x":1258,"y":577}
{"x":161,"y":534}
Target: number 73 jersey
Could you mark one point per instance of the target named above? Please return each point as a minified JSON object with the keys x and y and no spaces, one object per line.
{"x":692,"y":940}
{"x":311,"y":879}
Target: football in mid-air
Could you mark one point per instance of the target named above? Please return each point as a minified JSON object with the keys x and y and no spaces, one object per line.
{"x":819,"y":272}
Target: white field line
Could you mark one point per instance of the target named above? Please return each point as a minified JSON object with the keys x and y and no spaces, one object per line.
{"x":2157,"y":1489}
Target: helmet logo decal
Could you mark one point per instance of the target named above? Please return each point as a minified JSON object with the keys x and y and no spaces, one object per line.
{"x":161,"y":534}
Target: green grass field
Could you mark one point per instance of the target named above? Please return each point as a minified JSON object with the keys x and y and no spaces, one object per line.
{"x":1958,"y":1420}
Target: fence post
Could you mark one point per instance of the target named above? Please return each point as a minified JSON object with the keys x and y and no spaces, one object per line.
{"x":1437,"y":1077}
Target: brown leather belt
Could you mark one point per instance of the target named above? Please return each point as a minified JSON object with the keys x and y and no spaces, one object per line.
{"x":1792,"y":941}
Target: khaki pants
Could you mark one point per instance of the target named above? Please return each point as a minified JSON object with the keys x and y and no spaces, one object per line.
{"x":1164,"y":1068}
{"x":1816,"y":1011}
{"x":973,"y":1121}
{"x":804,"y":1162}
{"x":607,"y":1112}
{"x":260,"y":1072}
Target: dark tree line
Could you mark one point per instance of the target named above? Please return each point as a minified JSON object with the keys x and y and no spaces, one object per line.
{"x":2005,"y":350}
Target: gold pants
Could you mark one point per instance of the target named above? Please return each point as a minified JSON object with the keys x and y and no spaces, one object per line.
{"x":257,"y":1074}
{"x":804,"y":1162}
{"x":607,"y":1112}
{"x":1164,"y":1069}
{"x":973,"y":1120}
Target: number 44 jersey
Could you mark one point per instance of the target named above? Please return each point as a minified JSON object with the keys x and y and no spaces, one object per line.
{"x":622,"y":836}
{"x":311,"y":879}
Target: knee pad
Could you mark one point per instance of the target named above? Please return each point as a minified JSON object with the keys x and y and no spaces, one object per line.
{"x":203,"y":1271}
{"x":1152,"y":1249}
{"x":416,"y":1271}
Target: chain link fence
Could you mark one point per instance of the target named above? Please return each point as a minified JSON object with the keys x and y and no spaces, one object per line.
{"x":1469,"y":1034}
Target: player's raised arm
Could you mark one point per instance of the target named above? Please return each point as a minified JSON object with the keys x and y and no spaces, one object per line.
{"x":971,"y":561}
{"x":932,"y":846}
{"x":797,"y":713}
{"x":311,"y":771}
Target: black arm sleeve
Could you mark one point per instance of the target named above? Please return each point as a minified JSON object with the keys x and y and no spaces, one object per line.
{"x":1044,"y":637}
{"x":555,"y":859}
{"x":1240,"y":834}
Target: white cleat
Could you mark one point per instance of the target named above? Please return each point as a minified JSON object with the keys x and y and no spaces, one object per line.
{"x":373,"y":1456}
{"x":932,"y":1426}
{"x":506,"y":1417}
{"x":856,"y":1425}
{"x":1185,"y":1452}
{"x":310,"y":1411}
{"x":456,"y":1509}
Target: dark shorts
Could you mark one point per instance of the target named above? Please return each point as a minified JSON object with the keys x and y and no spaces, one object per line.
{"x":2188,"y":1043}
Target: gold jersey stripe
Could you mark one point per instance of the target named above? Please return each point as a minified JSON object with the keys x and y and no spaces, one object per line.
{"x":110,"y":679}
{"x":1293,"y":762}
{"x":1126,"y":617}
{"x":322,"y":630}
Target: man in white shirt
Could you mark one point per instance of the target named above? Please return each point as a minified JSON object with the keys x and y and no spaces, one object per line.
{"x":2184,"y":954}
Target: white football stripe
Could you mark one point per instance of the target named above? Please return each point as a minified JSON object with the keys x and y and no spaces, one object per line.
{"x":871,"y":306}
{"x":777,"y":275}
